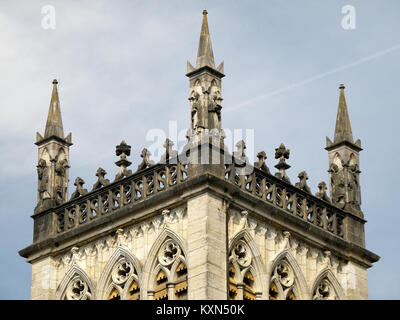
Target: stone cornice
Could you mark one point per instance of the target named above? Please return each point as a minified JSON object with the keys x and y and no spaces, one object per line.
{"x":177,"y":195}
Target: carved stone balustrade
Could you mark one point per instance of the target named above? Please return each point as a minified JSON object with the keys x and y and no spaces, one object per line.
{"x":288,"y":198}
{"x":122,"y":193}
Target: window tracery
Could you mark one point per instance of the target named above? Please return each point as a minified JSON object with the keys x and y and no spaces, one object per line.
{"x":324,"y":291}
{"x":283,"y":282}
{"x":77,"y":289}
{"x":240,"y":274}
{"x":171,"y":278}
{"x":124,"y":282}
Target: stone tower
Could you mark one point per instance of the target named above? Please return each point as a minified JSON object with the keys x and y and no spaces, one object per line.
{"x":53,"y":158}
{"x":201,"y":224}
{"x":205,"y":86}
{"x":344,"y":164}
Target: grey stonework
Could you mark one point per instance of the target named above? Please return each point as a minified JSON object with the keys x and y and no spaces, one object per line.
{"x":204,"y":224}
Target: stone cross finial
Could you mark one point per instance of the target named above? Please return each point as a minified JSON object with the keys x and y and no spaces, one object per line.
{"x":322,"y":192}
{"x":282,"y":153}
{"x":303,"y":182}
{"x":239,"y":155}
{"x":123,"y":150}
{"x":260,"y":164}
{"x":80,"y":191}
{"x":101,"y":181}
{"x":169,"y":153}
{"x":241,"y":146}
{"x":146,"y":162}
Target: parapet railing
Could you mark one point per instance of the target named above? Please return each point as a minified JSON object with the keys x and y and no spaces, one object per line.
{"x":289,"y":198}
{"x":146,"y":183}
{"x":104,"y":201}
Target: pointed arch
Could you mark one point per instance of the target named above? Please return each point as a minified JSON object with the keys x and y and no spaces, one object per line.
{"x":175,"y":270}
{"x":105,"y":280}
{"x":61,"y":155}
{"x":299,"y":288}
{"x":251,"y":275}
{"x":75,"y":272}
{"x":45,"y":155}
{"x":352,"y":160}
{"x":328,"y":275}
{"x":337,"y":159}
{"x":162,"y":237}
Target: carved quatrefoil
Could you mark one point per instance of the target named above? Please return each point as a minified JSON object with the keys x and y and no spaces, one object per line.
{"x":285,"y":274}
{"x":122,"y":271}
{"x":77,"y":290}
{"x":168,"y":253}
{"x":242,"y":255}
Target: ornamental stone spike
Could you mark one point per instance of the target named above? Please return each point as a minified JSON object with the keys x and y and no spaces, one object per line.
{"x":282,"y":153}
{"x":169,"y":152}
{"x":303,"y":182}
{"x":54,"y":126}
{"x":101,"y":181}
{"x":123,"y":150}
{"x":205,"y":56}
{"x":146,"y":162}
{"x":321,"y":194}
{"x":80,"y":191}
{"x":343,"y":127}
{"x":239,"y":155}
{"x":260,"y":164}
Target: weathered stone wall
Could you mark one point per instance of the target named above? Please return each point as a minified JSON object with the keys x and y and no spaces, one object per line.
{"x":200,"y":230}
{"x":311,"y":264}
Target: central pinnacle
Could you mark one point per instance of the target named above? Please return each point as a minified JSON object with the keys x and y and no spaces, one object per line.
{"x":343,"y":127}
{"x":205,"y":56}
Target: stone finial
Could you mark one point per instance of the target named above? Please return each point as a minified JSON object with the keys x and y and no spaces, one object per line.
{"x":239,"y":156}
{"x":241,"y":146}
{"x":260,"y":164}
{"x":54,"y":126}
{"x":282,"y":153}
{"x":327,"y":258}
{"x":343,"y":127}
{"x":322,"y":192}
{"x":205,"y":56}
{"x":101,"y":181}
{"x":303,"y":182}
{"x":146,"y":162}
{"x":169,"y":152}
{"x":286,"y":239}
{"x":80,"y":191}
{"x":123,"y":150}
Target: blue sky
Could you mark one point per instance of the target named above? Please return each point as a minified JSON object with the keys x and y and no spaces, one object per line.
{"x":121,"y":69}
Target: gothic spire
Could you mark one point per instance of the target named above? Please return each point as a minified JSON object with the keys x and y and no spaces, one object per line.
{"x":205,"y":56}
{"x":54,"y":126}
{"x":343,"y":127}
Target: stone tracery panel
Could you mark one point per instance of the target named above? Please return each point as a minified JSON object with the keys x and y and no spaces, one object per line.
{"x":241,"y":272}
{"x":283,"y":282}
{"x":77,"y":289}
{"x":324,"y":291}
{"x":75,"y":286}
{"x":170,"y":270}
{"x":124,"y":282}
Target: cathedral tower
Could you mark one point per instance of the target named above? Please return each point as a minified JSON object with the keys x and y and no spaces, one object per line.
{"x":53,"y":158}
{"x":198,"y":229}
